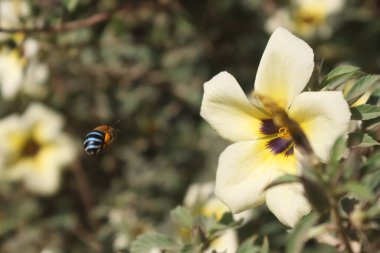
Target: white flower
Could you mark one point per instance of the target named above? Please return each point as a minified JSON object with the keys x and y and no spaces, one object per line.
{"x":13,"y":12}
{"x":34,"y":149}
{"x":263,"y":151}
{"x":19,"y":68}
{"x":11,"y":72}
{"x":201,"y":200}
{"x":307,"y":18}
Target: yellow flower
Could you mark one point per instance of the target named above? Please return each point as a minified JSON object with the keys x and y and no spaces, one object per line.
{"x":34,"y":149}
{"x":307,"y":18}
{"x":263,"y":151}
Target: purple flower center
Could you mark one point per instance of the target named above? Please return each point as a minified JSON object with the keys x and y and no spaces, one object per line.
{"x":281,"y":141}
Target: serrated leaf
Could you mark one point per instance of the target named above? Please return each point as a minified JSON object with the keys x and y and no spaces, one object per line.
{"x":146,"y":242}
{"x":182,"y":217}
{"x":361,"y":140}
{"x":298,"y":237}
{"x":285,"y":179}
{"x":339,"y":76}
{"x":361,"y":86}
{"x":365,"y":112}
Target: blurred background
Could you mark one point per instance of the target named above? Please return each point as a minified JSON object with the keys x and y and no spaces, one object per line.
{"x":68,"y":66}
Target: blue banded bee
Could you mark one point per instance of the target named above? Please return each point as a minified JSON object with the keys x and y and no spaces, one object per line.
{"x":98,"y":139}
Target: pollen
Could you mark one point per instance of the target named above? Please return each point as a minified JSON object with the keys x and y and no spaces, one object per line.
{"x":284,"y":133}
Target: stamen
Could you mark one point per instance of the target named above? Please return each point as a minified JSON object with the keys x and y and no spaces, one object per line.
{"x":284,"y":133}
{"x":280,"y":140}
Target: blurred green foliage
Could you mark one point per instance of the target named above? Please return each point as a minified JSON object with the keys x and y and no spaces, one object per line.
{"x":145,"y":65}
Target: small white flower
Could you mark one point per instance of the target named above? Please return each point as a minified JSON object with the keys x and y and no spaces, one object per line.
{"x":13,"y":12}
{"x":34,"y":149}
{"x":307,"y":18}
{"x":263,"y":151}
{"x":11,"y":72}
{"x":19,"y":68}
{"x":201,"y":200}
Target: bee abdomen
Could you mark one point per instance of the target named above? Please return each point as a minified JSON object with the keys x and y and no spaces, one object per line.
{"x":94,"y":142}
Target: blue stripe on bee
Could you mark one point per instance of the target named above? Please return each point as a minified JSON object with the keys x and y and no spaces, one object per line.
{"x":92,"y":139}
{"x":94,"y":142}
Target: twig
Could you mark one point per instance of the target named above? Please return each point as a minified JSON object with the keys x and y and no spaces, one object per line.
{"x":76,"y":24}
{"x":83,"y":188}
{"x":87,"y":239}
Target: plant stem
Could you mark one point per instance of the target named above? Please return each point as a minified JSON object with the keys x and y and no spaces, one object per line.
{"x":339,"y":223}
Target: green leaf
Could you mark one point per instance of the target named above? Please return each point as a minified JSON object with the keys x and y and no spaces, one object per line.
{"x":365,"y":112}
{"x":337,"y":152}
{"x":285,"y":179}
{"x":339,"y":76}
{"x":316,"y":194}
{"x":265,"y":246}
{"x":182,"y":217}
{"x":360,"y":190}
{"x":248,"y":246}
{"x":70,"y":5}
{"x":372,"y":164}
{"x":191,"y":249}
{"x":361,"y":140}
{"x":298,"y":236}
{"x":227,"y":219}
{"x":361,"y":86}
{"x":146,"y":242}
{"x":371,"y":124}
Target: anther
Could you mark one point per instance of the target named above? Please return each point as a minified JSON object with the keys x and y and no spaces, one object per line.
{"x":283,"y":133}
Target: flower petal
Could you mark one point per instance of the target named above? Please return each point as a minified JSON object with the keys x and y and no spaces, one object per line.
{"x":323,"y":116}
{"x":11,"y":74}
{"x":285,"y":67}
{"x":44,"y":176}
{"x":228,"y":110}
{"x":43,"y":181}
{"x":47,"y":123}
{"x":226,"y":242}
{"x":245,"y":169}
{"x":198,"y":193}
{"x":287,"y":203}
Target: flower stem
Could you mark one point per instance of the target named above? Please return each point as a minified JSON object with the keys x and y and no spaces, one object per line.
{"x":339,"y":223}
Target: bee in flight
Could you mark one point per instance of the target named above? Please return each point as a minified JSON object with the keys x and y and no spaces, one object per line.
{"x":99,"y":138}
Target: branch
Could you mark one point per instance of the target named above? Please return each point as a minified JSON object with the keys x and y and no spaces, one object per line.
{"x":72,"y":25}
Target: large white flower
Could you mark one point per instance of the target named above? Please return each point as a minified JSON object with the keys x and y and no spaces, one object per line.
{"x":34,"y":149}
{"x":263,"y":151}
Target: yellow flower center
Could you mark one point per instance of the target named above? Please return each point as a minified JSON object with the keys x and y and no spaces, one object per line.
{"x":30,"y":148}
{"x":284,"y":133}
